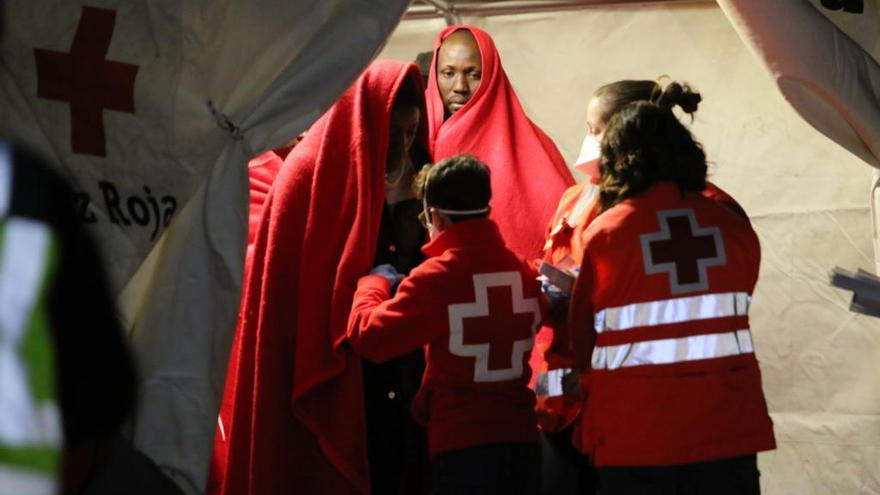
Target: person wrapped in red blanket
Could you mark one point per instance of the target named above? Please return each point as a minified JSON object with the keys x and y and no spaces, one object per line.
{"x":475,"y":306}
{"x":293,"y":408}
{"x":472,"y":108}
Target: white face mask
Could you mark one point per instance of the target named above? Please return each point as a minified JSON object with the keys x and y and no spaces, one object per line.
{"x":588,"y":159}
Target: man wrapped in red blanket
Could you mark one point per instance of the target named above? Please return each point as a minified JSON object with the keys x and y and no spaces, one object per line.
{"x":472,"y":108}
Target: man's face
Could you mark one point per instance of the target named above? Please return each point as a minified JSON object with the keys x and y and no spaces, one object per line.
{"x":459,"y":69}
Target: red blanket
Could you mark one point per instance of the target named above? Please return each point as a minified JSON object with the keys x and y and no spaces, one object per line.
{"x":292,"y":411}
{"x":528,"y":173}
{"x":262,"y":172}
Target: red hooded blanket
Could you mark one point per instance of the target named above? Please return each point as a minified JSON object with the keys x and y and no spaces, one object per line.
{"x":528,"y":173}
{"x":292,"y":416}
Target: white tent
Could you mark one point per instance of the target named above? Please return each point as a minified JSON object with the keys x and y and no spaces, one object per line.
{"x":269,"y":68}
{"x":184,"y":93}
{"x":809,"y":198}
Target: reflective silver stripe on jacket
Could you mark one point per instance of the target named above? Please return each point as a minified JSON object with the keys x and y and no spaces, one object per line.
{"x":558,"y":382}
{"x":677,"y":310}
{"x":677,"y":350}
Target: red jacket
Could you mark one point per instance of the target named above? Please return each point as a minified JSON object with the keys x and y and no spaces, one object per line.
{"x":559,"y":397}
{"x":579,"y":206}
{"x":660,"y":308}
{"x":475,"y":306}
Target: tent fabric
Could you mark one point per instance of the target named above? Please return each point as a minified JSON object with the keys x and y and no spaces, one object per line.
{"x":805,"y":195}
{"x":857,"y":19}
{"x":182,"y":95}
{"x":528,"y":173}
{"x":875,"y":218}
{"x":293,"y":406}
{"x":837,"y":88}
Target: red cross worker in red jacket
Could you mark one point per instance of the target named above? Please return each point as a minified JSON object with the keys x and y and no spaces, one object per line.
{"x":474,"y":306}
{"x":555,"y":377}
{"x":659,"y":315}
{"x":558,"y":402}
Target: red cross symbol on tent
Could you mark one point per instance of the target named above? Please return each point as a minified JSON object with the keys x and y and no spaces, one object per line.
{"x":510,"y":311}
{"x":87,"y":81}
{"x":683,"y":249}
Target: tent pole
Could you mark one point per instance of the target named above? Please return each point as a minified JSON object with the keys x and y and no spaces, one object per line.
{"x":447,"y":9}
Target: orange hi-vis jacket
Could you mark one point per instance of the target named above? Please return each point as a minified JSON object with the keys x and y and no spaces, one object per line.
{"x":660,"y":311}
{"x":555,"y":378}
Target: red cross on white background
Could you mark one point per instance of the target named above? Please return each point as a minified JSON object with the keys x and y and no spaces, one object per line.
{"x":87,"y":81}
{"x":495,"y":318}
{"x":682,"y":249}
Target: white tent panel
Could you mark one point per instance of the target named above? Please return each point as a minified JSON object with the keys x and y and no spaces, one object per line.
{"x":182,"y":304}
{"x":860,"y":24}
{"x":177,"y":96}
{"x":807,"y":196}
{"x":837,"y":87}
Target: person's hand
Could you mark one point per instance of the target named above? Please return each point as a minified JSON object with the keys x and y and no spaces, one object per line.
{"x":389,"y":272}
{"x":554,"y":294}
{"x":558,"y":311}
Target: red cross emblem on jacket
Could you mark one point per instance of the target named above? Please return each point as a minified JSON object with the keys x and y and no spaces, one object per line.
{"x":465,"y":341}
{"x":682,"y":249}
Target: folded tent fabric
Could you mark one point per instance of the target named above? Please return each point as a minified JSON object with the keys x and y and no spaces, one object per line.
{"x":528,"y":173}
{"x":292,"y":413}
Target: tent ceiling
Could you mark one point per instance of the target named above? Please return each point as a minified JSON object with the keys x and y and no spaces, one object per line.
{"x":453,"y":9}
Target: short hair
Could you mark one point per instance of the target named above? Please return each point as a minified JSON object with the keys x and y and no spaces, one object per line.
{"x":618,"y":94}
{"x":460,"y":182}
{"x":643,"y":144}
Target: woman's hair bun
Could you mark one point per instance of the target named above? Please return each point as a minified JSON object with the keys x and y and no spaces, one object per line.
{"x":681,"y":94}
